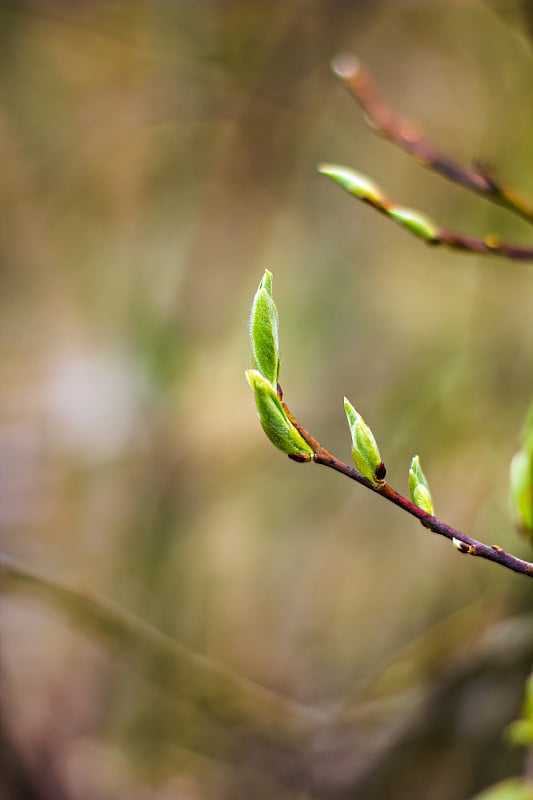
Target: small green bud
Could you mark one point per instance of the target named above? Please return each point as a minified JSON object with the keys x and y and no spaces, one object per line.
{"x":419,"y":488}
{"x":415,"y":222}
{"x":422,"y":498}
{"x":364,"y":448}
{"x":521,"y":482}
{"x":354,"y":183}
{"x":462,"y":547}
{"x":521,"y":731}
{"x":278,"y":428}
{"x":264,"y":336}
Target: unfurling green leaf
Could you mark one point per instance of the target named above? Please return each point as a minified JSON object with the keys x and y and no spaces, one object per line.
{"x":273,"y":418}
{"x":521,"y":482}
{"x":415,"y":222}
{"x":264,"y":335}
{"x":354,"y":183}
{"x":419,"y":488}
{"x":364,"y":448}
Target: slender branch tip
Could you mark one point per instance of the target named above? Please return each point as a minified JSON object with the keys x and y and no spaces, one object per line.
{"x":345,"y":65}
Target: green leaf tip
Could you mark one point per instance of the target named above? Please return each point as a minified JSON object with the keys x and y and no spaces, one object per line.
{"x":264,"y":331}
{"x":354,"y":183}
{"x":365,"y":451}
{"x":521,"y":482}
{"x":274,"y":421}
{"x":419,"y":488}
{"x":416,"y":223}
{"x":266,"y":282}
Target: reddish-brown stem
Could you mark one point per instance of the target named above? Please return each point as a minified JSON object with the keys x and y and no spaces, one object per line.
{"x":477,"y":178}
{"x":490,"y":245}
{"x":468,"y":545}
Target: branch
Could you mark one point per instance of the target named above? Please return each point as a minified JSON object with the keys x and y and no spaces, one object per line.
{"x":463,"y":543}
{"x":418,"y":224}
{"x":478,"y":178}
{"x":188,"y":675}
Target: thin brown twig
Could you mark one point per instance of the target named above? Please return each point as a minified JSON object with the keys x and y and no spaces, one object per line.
{"x":478,"y":178}
{"x":464,"y":544}
{"x":490,"y":245}
{"x":417,"y":224}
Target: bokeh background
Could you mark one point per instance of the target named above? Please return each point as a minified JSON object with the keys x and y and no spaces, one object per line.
{"x":155,"y":159}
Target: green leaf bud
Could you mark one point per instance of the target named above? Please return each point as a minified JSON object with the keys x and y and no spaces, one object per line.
{"x":415,"y":222}
{"x":521,"y":492}
{"x":365,"y":451}
{"x":264,"y":336}
{"x":354,"y":183}
{"x":419,"y":488}
{"x":521,"y":482}
{"x":278,"y":428}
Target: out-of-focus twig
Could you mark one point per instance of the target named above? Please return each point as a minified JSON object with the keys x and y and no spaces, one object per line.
{"x":191,"y":676}
{"x":421,"y":226}
{"x":478,"y":178}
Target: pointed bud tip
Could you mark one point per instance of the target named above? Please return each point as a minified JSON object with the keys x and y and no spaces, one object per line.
{"x":266,"y":282}
{"x":253,"y":376}
{"x":345,"y":65}
{"x":263,"y":330}
{"x":417,"y":223}
{"x":355,"y":183}
{"x":330,"y":170}
{"x":351,"y":413}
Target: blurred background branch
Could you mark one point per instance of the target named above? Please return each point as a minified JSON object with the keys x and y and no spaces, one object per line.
{"x":156,"y":158}
{"x":478,"y":178}
{"x":359,"y":746}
